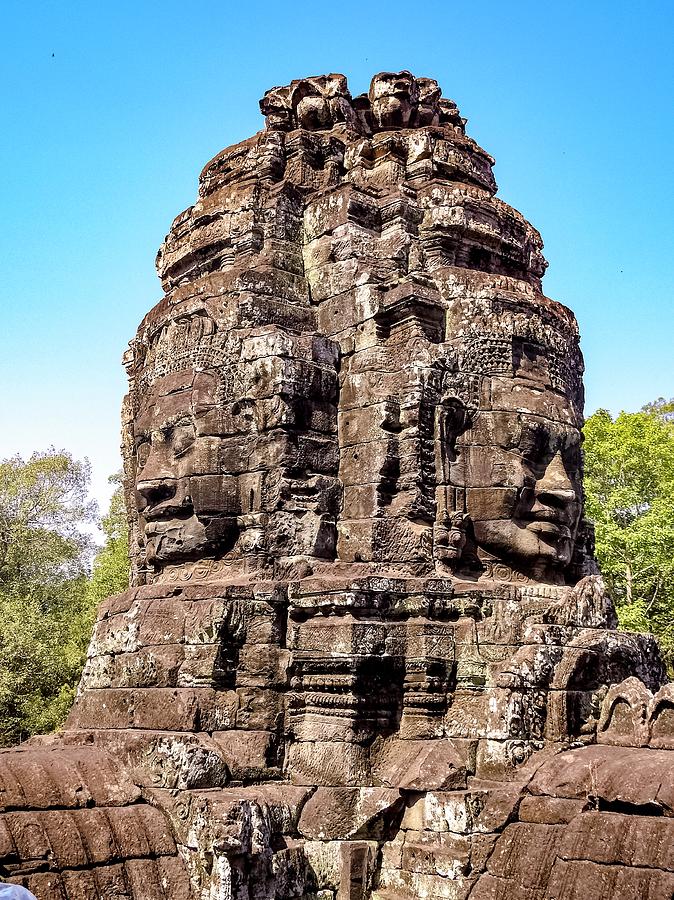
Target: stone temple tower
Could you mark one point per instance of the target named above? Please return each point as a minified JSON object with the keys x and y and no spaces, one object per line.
{"x":365,"y":652}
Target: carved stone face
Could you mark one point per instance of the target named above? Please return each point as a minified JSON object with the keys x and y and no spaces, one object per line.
{"x":520,"y":464}
{"x":393,"y":98}
{"x":321,"y":102}
{"x":429,"y":99}
{"x":235,"y":453}
{"x":313,"y":112}
{"x":276,"y":107}
{"x":187,"y":507}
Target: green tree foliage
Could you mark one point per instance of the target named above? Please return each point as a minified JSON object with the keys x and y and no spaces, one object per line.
{"x":43,"y":506}
{"x":47,"y":596}
{"x":111,"y":567}
{"x":629,"y":483}
{"x":661,"y":407}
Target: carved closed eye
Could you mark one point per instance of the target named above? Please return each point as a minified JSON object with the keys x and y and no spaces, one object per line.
{"x":182,"y":439}
{"x":571,"y":454}
{"x":535,"y":443}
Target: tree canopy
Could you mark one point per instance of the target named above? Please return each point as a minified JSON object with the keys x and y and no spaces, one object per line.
{"x":48,"y":593}
{"x":43,"y":509}
{"x":629,"y":484}
{"x":110,"y":573}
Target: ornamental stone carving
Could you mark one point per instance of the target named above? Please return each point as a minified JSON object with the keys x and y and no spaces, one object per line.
{"x":365,"y":652}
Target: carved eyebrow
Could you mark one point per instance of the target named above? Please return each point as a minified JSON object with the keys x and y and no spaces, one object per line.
{"x":535,"y":420}
{"x":179,"y":419}
{"x":557,"y":436}
{"x":535,"y":427}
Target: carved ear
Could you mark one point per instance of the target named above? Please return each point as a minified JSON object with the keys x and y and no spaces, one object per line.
{"x":583,"y":561}
{"x":458,"y":417}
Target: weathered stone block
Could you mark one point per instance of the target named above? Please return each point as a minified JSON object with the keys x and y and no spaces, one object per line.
{"x":344,"y":813}
{"x":327,"y":763}
{"x":420,"y":765}
{"x":248,"y":755}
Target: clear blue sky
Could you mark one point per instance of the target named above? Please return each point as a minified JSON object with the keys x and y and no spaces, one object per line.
{"x":111,"y":109}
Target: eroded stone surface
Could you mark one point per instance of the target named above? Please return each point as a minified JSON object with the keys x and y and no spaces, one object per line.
{"x":365,"y":651}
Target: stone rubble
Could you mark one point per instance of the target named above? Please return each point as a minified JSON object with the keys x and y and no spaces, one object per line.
{"x":366,"y":653}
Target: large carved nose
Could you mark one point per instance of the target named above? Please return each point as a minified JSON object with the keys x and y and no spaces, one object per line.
{"x":157,"y":489}
{"x":555,"y":488}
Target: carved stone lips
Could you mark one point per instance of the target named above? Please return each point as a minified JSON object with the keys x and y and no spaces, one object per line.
{"x":549,"y":526}
{"x":167,"y":512}
{"x":159,"y":523}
